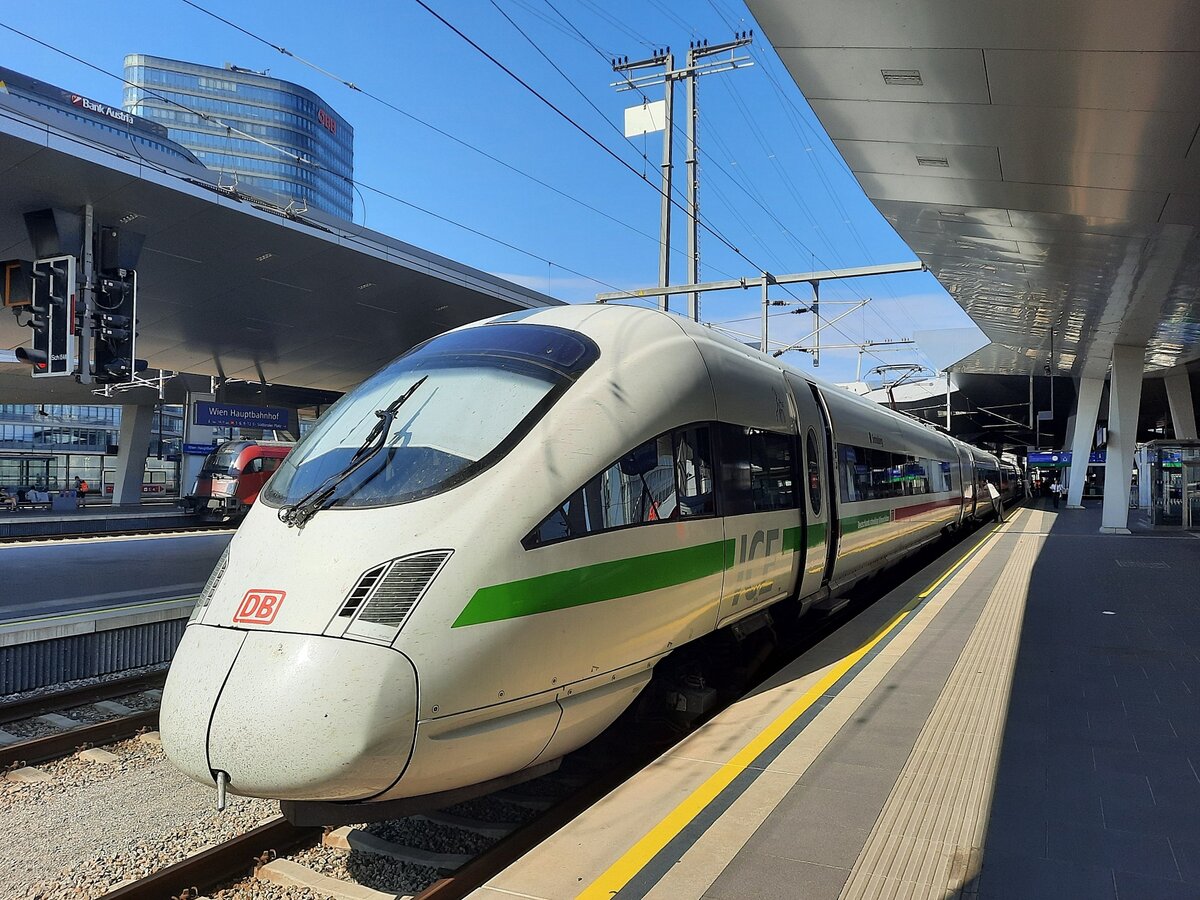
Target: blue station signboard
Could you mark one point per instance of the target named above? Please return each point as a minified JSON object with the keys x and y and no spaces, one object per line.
{"x":232,"y":415}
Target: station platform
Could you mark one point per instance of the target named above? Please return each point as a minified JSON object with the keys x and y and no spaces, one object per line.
{"x":1024,"y":725}
{"x":99,"y":518}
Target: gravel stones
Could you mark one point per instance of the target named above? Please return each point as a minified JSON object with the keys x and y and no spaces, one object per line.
{"x":378,"y":872}
{"x":96,"y":826}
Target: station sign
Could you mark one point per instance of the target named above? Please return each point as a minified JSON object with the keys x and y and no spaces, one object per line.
{"x":1060,"y":458}
{"x":199,"y":449}
{"x":232,"y":415}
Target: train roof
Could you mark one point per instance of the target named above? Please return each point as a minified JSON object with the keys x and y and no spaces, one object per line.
{"x":579,"y":316}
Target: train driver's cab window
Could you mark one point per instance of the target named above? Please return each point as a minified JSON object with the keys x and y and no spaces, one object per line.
{"x":254,"y":467}
{"x":669,"y":477}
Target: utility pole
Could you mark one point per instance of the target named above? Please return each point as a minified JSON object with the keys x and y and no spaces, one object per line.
{"x":698,"y":63}
{"x":697,"y":53}
{"x":667,"y":61}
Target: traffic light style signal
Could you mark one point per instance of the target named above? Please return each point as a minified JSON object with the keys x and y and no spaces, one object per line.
{"x":114,"y":327}
{"x":52,"y":318}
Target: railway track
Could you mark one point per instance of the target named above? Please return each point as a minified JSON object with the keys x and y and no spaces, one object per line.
{"x":132,"y":532}
{"x":65,"y":741}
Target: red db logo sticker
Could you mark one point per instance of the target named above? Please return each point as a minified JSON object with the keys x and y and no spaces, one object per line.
{"x":259,"y":607}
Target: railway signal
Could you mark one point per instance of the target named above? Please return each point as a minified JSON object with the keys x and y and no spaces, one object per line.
{"x":51,"y":310}
{"x":114,"y":331}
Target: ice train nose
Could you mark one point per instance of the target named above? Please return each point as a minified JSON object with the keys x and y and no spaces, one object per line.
{"x":299,"y":717}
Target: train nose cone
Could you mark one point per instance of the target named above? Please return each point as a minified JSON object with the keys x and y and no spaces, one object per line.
{"x":304,"y":717}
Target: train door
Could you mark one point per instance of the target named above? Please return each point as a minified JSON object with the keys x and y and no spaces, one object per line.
{"x":760,"y":498}
{"x":814,"y":546}
{"x":966,"y":481}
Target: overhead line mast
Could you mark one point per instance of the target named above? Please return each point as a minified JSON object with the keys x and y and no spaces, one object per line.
{"x":698,"y":53}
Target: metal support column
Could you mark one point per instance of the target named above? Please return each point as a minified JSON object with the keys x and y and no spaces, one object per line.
{"x":1124,"y":400}
{"x":1183,"y":410}
{"x":1086,"y":411}
{"x":189,"y":464}
{"x":132,"y":448}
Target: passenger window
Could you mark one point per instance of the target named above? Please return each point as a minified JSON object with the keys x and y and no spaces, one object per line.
{"x":757,"y":471}
{"x":693,"y":471}
{"x":665,"y":478}
{"x":814,"y":471}
{"x":771,"y":471}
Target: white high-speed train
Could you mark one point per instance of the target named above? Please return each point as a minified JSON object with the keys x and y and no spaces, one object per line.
{"x":473,"y":563}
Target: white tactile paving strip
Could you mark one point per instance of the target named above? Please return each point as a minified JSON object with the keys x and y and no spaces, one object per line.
{"x":928,"y":840}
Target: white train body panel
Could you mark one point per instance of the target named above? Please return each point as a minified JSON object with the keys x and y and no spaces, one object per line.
{"x":519,"y":627}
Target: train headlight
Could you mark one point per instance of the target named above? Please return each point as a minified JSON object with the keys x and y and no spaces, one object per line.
{"x":385,"y":596}
{"x":210,"y":587}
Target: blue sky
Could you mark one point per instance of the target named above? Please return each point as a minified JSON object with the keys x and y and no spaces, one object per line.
{"x":770,"y":180}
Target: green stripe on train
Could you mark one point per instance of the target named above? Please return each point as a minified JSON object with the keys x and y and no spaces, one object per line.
{"x":596,"y":583}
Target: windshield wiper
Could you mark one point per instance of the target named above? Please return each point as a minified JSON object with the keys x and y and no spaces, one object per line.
{"x":318,"y":498}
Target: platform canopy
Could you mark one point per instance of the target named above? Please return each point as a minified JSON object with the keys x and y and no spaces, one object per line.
{"x":227,"y":286}
{"x":1041,"y":158}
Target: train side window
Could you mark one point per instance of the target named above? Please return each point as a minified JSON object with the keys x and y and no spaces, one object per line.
{"x":270,"y":463}
{"x":637,"y":489}
{"x":254,"y":466}
{"x":772,"y":474}
{"x":814,"y":471}
{"x":693,"y":471}
{"x":757,"y":470}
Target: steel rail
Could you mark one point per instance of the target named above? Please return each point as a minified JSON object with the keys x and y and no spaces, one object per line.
{"x":63,"y":743}
{"x":227,"y":861}
{"x":79,"y":696}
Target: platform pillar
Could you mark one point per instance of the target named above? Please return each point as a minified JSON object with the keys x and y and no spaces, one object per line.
{"x":1124,"y":400}
{"x":132,"y":447}
{"x":1183,"y":411}
{"x":190,"y":464}
{"x":1086,"y":411}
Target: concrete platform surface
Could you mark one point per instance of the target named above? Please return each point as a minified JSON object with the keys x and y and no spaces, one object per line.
{"x":1026,"y":726}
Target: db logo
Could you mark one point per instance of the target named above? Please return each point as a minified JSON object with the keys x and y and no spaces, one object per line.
{"x":259,"y":607}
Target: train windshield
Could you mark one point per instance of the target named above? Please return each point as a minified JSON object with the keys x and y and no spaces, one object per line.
{"x":480,"y":390}
{"x":221,"y":461}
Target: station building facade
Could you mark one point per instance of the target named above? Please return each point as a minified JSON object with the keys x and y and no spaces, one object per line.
{"x":276,"y":112}
{"x":46,"y":446}
{"x":58,"y":106}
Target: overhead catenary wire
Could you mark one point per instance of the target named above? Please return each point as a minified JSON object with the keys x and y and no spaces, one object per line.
{"x":312,"y":163}
{"x":440,"y":131}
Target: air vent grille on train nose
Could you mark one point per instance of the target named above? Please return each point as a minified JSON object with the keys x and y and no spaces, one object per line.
{"x":214,"y":579}
{"x":395,"y":595}
{"x":362,"y":590}
{"x":210,"y":586}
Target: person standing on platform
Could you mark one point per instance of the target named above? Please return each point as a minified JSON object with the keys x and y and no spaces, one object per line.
{"x":1056,"y":491}
{"x":81,"y":489}
{"x":997,"y":503}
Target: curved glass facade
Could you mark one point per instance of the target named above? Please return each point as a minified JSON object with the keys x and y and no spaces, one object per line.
{"x":279,"y":112}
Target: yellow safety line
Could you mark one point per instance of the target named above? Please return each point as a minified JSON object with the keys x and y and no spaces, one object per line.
{"x":100,"y":609}
{"x":621,"y":872}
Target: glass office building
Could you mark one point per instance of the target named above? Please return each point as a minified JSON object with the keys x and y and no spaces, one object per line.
{"x":47,"y":446}
{"x":275,"y":112}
